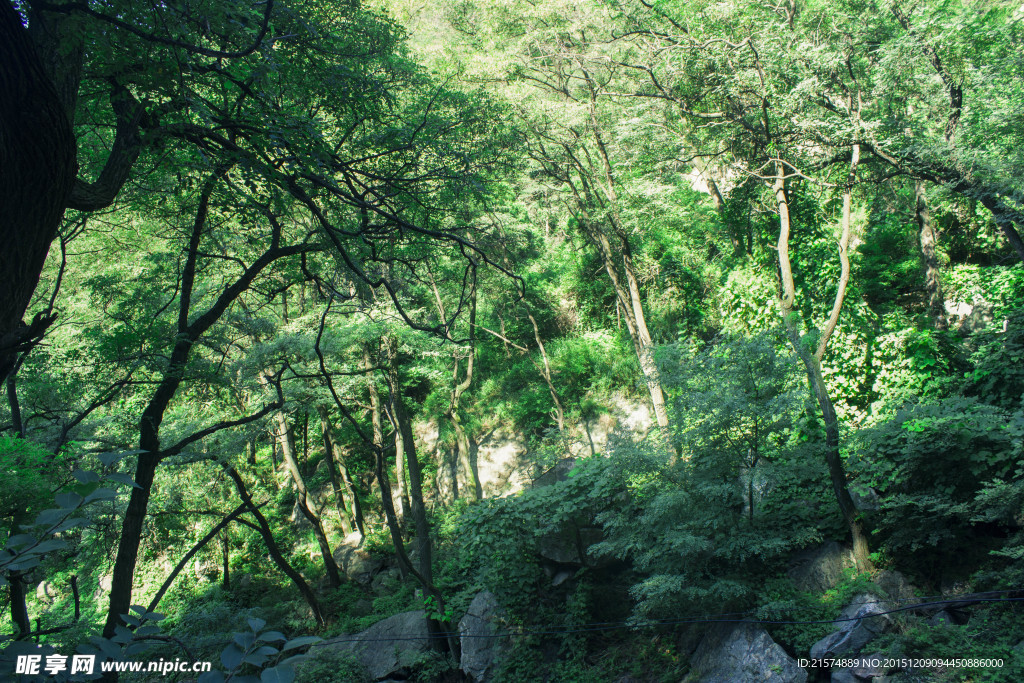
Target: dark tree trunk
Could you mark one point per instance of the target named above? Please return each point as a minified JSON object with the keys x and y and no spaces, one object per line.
{"x":220,"y":528}
{"x":225,"y":549}
{"x":19,"y":612}
{"x":123,"y":573}
{"x":263,"y":526}
{"x":306,"y":503}
{"x":190,"y":329}
{"x":424,"y":550}
{"x":37,"y":172}
{"x":1004,"y":219}
{"x":331,"y":448}
{"x":14,"y":405}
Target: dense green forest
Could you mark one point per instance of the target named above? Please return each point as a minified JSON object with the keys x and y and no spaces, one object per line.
{"x":512,"y":340}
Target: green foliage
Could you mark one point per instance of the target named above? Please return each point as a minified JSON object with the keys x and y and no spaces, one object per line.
{"x":889,"y":263}
{"x":270,"y":653}
{"x":998,"y":373}
{"x":747,"y":300}
{"x":1002,"y":288}
{"x":28,"y":476}
{"x":993,"y":632}
{"x":943,"y":469}
{"x":502,"y":538}
{"x":780,"y":601}
{"x":582,"y":367}
{"x":705,"y":531}
{"x":331,"y":667}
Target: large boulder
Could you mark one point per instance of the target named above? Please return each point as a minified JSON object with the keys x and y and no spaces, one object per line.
{"x":571,"y":545}
{"x":46,"y":592}
{"x":820,"y":569}
{"x":862,"y":620}
{"x":357,"y":564}
{"x":106,"y":582}
{"x":742,"y":652}
{"x":481,"y":649}
{"x":896,"y":586}
{"x":388,"y":647}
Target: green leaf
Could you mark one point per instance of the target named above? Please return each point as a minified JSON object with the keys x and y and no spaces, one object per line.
{"x":231,"y":657}
{"x":122,"y":478}
{"x":278,"y":674}
{"x":300,"y":642}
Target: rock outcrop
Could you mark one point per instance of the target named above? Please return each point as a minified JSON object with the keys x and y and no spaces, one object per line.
{"x":389,"y":647}
{"x":481,"y":649}
{"x":820,"y":569}
{"x":862,"y":620}
{"x":742,"y":652}
{"x":357,"y":564}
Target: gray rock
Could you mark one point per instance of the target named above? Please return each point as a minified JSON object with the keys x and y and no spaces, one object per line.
{"x":561,"y":577}
{"x":362,"y":607}
{"x":742,"y":652}
{"x":896,"y":586}
{"x":560,"y":472}
{"x":480,"y":649}
{"x":572,"y":545}
{"x":46,"y":592}
{"x":941,"y":618}
{"x":298,"y":519}
{"x":819,"y":569}
{"x":859,"y":623}
{"x":868,"y":668}
{"x":387,"y":581}
{"x":357,"y":564}
{"x":105,"y":583}
{"x":388,"y":647}
{"x":866,"y":500}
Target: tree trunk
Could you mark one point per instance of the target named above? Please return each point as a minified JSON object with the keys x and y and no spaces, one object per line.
{"x":812,"y":360}
{"x":1004,"y":220}
{"x":306,"y":503}
{"x":401,"y":491}
{"x":189,"y":330}
{"x":545,"y":371}
{"x":219,"y":529}
{"x":123,"y":572}
{"x":424,"y":550}
{"x":38,"y":158}
{"x":331,"y":451}
{"x":275,"y":553}
{"x":628,"y":296}
{"x":927,"y":240}
{"x":14,"y":404}
{"x":225,"y":548}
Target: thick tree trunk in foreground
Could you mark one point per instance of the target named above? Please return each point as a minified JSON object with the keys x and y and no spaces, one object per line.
{"x":37,"y":172}
{"x":19,"y":611}
{"x":190,"y":329}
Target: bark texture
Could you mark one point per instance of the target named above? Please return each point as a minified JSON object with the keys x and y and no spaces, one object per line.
{"x":37,"y":172}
